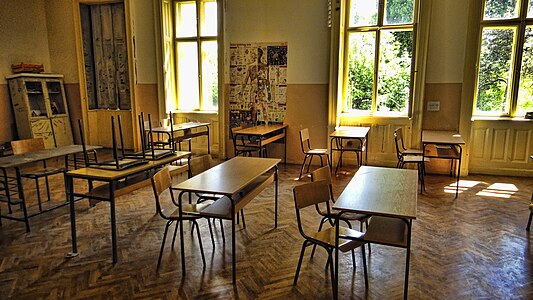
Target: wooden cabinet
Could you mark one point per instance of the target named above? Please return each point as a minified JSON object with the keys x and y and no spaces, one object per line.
{"x":40,"y":108}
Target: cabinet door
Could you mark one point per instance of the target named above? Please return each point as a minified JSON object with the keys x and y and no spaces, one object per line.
{"x":43,"y":129}
{"x":56,"y":98}
{"x":62,"y":131}
{"x":36,"y":99}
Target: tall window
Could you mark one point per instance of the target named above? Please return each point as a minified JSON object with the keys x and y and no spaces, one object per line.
{"x":378,"y":61}
{"x":194,"y":54}
{"x":504,"y":84}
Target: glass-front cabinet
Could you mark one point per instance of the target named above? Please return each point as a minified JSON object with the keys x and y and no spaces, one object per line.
{"x":40,"y":108}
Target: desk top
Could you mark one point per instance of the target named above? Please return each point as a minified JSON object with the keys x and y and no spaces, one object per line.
{"x":30,"y":157}
{"x":350,"y":132}
{"x":381,"y":191}
{"x":229,"y":177}
{"x":178,"y":127}
{"x":261,"y":129}
{"x":109,"y":175}
{"x":442,"y":137}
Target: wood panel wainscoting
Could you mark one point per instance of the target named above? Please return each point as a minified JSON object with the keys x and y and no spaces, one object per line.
{"x":501,"y":147}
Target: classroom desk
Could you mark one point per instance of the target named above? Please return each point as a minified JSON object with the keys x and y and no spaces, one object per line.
{"x":266,"y":134}
{"x":19,"y":160}
{"x":187,"y":132}
{"x":448,"y":145}
{"x":384,"y":192}
{"x":349,"y":133}
{"x":115,"y":180}
{"x":239,"y":179}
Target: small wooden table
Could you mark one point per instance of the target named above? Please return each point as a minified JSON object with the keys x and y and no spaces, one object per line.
{"x":114,"y":180}
{"x":266,"y":134}
{"x":239,"y":179}
{"x":383,"y":192}
{"x":187,"y":132}
{"x":19,"y":160}
{"x":349,"y":133}
{"x":448,"y":145}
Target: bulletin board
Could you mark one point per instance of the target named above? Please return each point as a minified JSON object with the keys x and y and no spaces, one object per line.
{"x":258,"y":83}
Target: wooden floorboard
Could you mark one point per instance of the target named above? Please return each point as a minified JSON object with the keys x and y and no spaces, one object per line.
{"x":474,"y":246}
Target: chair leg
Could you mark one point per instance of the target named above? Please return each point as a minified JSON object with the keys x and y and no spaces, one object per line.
{"x":303,"y":165}
{"x":364,"y":265}
{"x":199,"y":241}
{"x":211,"y":233}
{"x":529,"y":221}
{"x":47,"y":187}
{"x":38,"y":194}
{"x":242,"y":216}
{"x":331,"y":270}
{"x":361,"y":229}
{"x":175,"y":231}
{"x":324,"y":219}
{"x":302,"y":252}
{"x":163,"y":243}
{"x":222,"y":230}
{"x":309,"y":164}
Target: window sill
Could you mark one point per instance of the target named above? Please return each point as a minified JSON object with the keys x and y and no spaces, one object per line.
{"x":487,"y":118}
{"x":199,"y":112}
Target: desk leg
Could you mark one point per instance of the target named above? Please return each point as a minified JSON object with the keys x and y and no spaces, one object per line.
{"x":208,"y":143}
{"x":233,"y":256}
{"x":458,"y":171}
{"x":22,"y":200}
{"x":407,"y":258}
{"x":113,"y":220}
{"x":366,"y":150}
{"x":70,"y":195}
{"x":182,"y":244}
{"x":335,"y":282}
{"x":285,"y":147}
{"x":276,"y":198}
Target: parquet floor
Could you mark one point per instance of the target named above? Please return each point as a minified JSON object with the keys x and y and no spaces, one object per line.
{"x":471,"y":247}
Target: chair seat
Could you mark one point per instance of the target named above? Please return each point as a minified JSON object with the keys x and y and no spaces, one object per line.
{"x":413,"y":152}
{"x":388,"y":231}
{"x":43,"y":172}
{"x":414,"y":159}
{"x":318,"y":151}
{"x":327,"y":236}
{"x":355,"y":217}
{"x":189,"y":210}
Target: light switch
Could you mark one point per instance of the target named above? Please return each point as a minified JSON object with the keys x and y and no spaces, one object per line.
{"x":433,"y":105}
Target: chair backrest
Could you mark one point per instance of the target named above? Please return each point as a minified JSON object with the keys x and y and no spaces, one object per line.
{"x":200,"y":164}
{"x":161,"y":181}
{"x":304,"y":140}
{"x":29,"y":145}
{"x":323,"y":174}
{"x":305,"y":195}
{"x":397,"y":141}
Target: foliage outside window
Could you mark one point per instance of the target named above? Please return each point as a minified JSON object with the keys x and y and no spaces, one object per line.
{"x":504,"y":84}
{"x":190,"y":54}
{"x":378,"y":66}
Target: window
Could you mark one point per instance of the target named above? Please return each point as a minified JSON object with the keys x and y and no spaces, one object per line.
{"x":504,"y":85}
{"x":190,"y":54}
{"x":379,"y":41}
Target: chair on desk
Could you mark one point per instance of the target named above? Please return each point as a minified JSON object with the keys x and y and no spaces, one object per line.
{"x":241,"y":145}
{"x":31,"y":145}
{"x":410,"y":156}
{"x":324,"y":174}
{"x":162,"y":181}
{"x":310,"y":152}
{"x":314,"y":194}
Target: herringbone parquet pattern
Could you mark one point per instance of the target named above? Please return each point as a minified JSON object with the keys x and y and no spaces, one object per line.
{"x":471,"y":247}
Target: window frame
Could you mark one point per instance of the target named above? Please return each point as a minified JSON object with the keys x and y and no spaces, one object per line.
{"x":519,"y":24}
{"x":346,"y":30}
{"x":198,"y":39}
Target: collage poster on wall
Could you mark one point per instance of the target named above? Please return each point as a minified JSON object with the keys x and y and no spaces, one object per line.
{"x":258,"y":83}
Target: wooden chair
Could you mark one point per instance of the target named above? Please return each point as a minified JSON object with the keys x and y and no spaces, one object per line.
{"x":530,"y":213}
{"x":399,"y":134}
{"x":241,"y":145}
{"x":31,"y":145}
{"x":162,"y":181}
{"x":406,"y":158}
{"x":310,"y":152}
{"x":324,"y":174}
{"x":313,"y":194}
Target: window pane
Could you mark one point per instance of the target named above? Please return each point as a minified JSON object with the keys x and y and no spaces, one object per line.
{"x":494,"y":79}
{"x":360,"y":75}
{"x":501,"y":9}
{"x":394,"y":71}
{"x":185,"y":19}
{"x":530,"y":9}
{"x":525,"y":92}
{"x":209,"y":76}
{"x":209,"y":18}
{"x":188,"y":90}
{"x":363,"y":13}
{"x":399,"y":12}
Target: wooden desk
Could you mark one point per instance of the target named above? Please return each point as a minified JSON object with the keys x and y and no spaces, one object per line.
{"x":383,"y":192}
{"x":187,"y":132}
{"x":19,"y":160}
{"x":239,"y":179}
{"x":349,"y":133}
{"x":448,"y":145}
{"x":114,"y":179}
{"x":266,"y":134}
